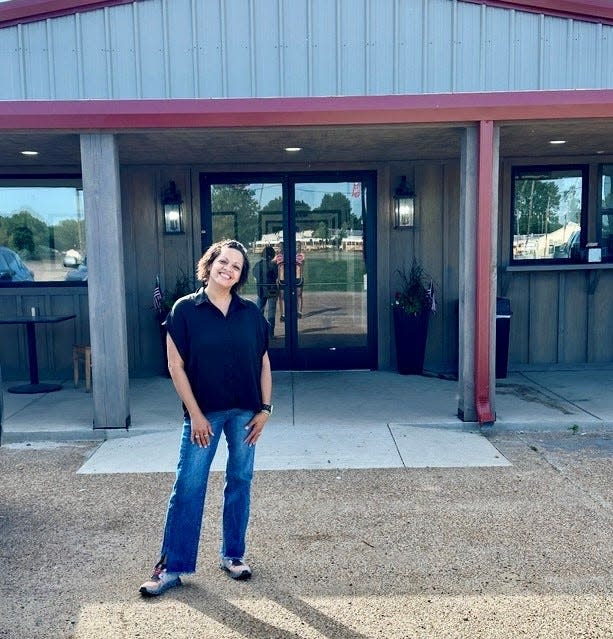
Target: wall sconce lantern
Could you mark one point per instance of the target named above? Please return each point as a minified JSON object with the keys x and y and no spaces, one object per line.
{"x":173,"y":212}
{"x":404,"y":205}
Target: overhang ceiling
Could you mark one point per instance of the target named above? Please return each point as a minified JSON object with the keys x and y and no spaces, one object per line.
{"x":319,"y":144}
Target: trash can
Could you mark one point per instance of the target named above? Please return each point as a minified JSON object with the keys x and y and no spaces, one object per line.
{"x":503,"y":328}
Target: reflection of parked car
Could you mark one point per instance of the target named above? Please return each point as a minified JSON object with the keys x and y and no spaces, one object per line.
{"x":570,"y":248}
{"x":78,"y":274}
{"x":12,"y":269}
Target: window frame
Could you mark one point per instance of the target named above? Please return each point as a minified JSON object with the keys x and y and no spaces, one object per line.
{"x":43,"y":180}
{"x":584,"y":169}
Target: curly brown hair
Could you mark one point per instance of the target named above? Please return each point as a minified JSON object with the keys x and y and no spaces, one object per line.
{"x":203,"y":268}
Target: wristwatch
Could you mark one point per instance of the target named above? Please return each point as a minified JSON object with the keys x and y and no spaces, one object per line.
{"x":266,"y":408}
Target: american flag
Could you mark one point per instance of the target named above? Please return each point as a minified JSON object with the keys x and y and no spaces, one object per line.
{"x":432,"y":297}
{"x":158,"y":296}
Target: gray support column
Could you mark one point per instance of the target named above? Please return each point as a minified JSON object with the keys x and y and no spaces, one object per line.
{"x":467,"y":410}
{"x":106,"y":285}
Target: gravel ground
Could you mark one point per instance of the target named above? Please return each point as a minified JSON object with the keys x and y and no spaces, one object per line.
{"x":522,"y":551}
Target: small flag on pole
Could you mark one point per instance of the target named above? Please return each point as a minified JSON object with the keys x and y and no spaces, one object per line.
{"x":432,"y":297}
{"x":158,"y":297}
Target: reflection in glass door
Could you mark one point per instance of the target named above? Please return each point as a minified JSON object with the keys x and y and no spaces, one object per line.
{"x":307,"y":242}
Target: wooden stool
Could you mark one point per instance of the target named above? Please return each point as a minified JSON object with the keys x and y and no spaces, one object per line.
{"x":79,"y":351}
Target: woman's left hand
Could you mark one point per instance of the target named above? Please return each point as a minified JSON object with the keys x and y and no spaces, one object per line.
{"x":255,"y":427}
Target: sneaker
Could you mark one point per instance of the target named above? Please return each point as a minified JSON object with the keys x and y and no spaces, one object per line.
{"x":161,"y":580}
{"x":236,"y":568}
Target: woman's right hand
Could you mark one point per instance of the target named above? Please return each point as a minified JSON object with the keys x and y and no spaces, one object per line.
{"x":201,"y":431}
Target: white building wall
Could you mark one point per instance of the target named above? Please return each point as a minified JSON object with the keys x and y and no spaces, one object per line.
{"x":266,"y":48}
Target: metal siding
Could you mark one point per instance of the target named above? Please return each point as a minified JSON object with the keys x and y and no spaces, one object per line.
{"x":36,"y":58}
{"x":527,"y":52}
{"x":380,"y":47}
{"x":209,"y":53}
{"x":324,"y":38}
{"x":94,"y":61}
{"x":438,"y":47}
{"x":244,"y":48}
{"x":180,"y":59}
{"x":410,"y":54}
{"x":10,"y":71}
{"x":151,"y":34}
{"x":64,"y":57}
{"x":267,"y":51}
{"x":467,"y":49}
{"x":584,"y":45}
{"x":237,"y":37}
{"x":294,"y":42}
{"x":555,"y":71}
{"x":353,"y":57}
{"x":499,"y":53}
{"x":123,"y":68}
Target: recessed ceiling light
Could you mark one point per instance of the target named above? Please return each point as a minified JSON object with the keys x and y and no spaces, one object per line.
{"x":293,"y":149}
{"x":599,"y":152}
{"x":557,"y":141}
{"x":29,"y":152}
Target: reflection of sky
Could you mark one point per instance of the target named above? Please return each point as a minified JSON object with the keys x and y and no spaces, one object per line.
{"x":49,"y":204}
{"x":312,"y":193}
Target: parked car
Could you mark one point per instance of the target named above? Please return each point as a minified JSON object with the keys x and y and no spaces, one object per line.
{"x":78,"y":274}
{"x":12,"y":269}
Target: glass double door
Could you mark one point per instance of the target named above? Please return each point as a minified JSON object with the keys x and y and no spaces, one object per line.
{"x":309,"y":240}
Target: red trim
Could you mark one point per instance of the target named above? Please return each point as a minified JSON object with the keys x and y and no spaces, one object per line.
{"x":483,"y":402}
{"x":22,"y":11}
{"x":285,"y":112}
{"x":589,"y":10}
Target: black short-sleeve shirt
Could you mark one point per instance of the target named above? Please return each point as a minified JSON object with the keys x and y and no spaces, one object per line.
{"x":222,"y":355}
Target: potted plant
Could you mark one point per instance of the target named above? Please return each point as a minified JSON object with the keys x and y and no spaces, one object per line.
{"x":412,"y":305}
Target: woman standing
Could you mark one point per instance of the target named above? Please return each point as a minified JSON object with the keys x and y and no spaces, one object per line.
{"x":217,"y":348}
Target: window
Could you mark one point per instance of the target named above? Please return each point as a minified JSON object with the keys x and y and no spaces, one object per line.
{"x":605,"y":209}
{"x":549,"y":207}
{"x":42,"y":231}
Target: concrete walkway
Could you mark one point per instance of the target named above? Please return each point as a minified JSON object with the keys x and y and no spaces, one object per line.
{"x":347,"y":419}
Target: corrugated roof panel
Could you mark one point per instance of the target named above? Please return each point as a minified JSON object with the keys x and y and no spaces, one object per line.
{"x":606,"y":55}
{"x":467,"y":50}
{"x":10,"y":70}
{"x":267,"y":53}
{"x":294,"y":41}
{"x":324,"y":38}
{"x":36,"y":60}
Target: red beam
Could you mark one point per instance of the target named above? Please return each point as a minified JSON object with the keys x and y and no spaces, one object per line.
{"x":485,"y":415}
{"x":284,"y":112}
{"x":589,"y":10}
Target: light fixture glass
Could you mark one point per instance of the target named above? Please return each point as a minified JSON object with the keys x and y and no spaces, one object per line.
{"x":404,"y":205}
{"x":173,"y":212}
{"x":29,"y":153}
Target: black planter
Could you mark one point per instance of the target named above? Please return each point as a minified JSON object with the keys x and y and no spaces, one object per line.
{"x":411,"y":333}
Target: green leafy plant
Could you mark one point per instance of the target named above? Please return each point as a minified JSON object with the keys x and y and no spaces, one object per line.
{"x":416,"y":292}
{"x":163,"y":301}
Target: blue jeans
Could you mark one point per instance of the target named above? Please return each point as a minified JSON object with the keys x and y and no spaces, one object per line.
{"x":186,"y":504}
